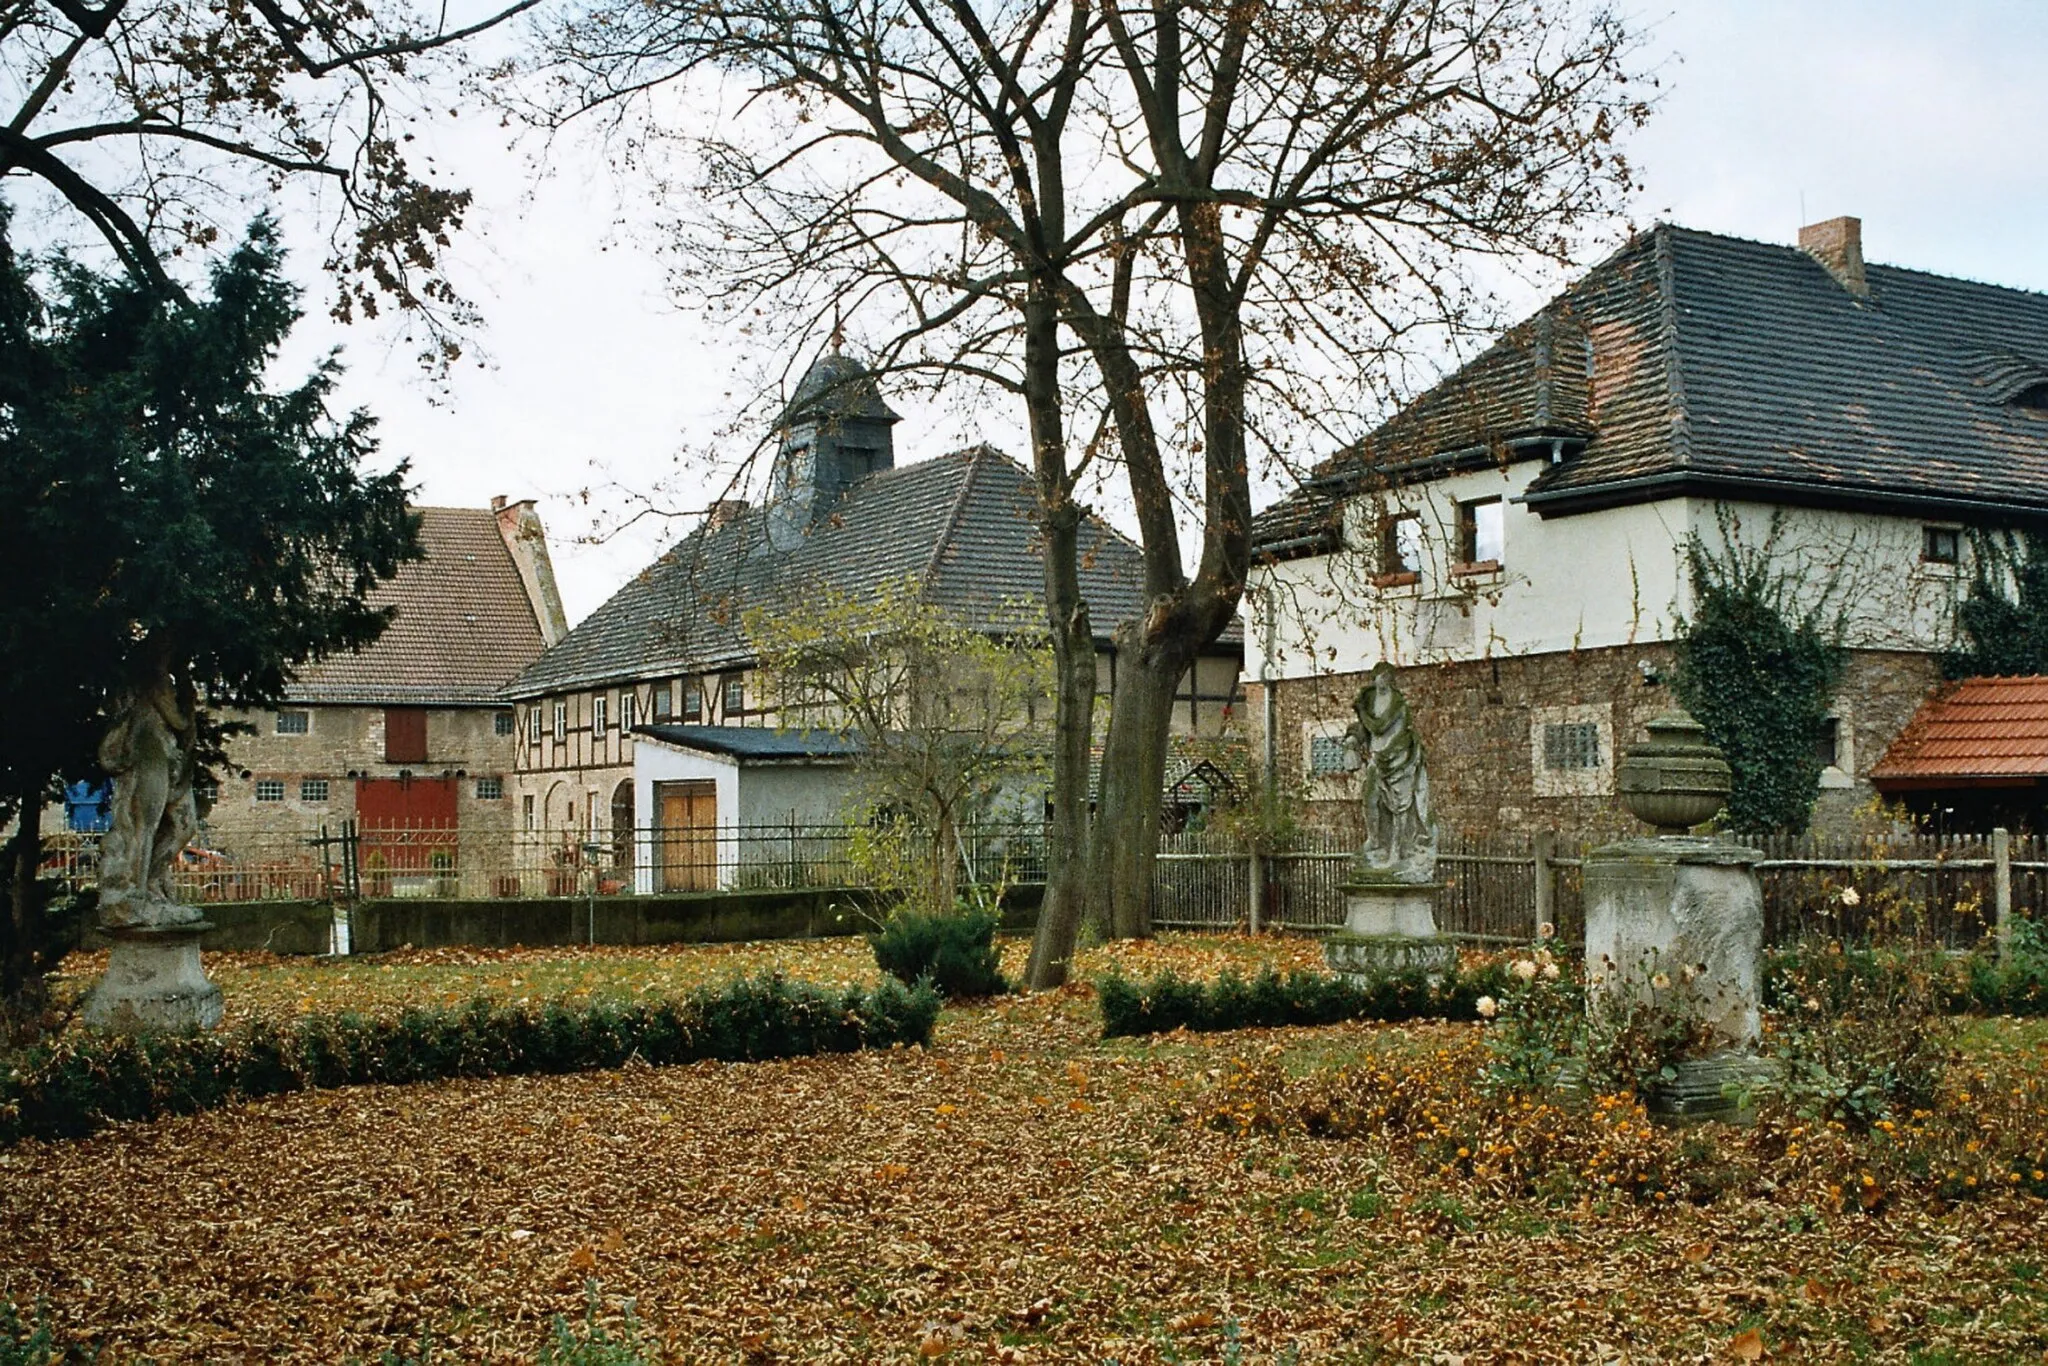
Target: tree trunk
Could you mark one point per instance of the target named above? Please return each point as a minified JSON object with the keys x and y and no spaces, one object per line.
{"x":944,"y":885}
{"x":22,"y":952}
{"x":1126,"y":834}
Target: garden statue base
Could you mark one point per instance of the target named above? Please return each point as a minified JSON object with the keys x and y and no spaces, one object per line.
{"x":1709,"y":1088}
{"x":1389,"y":928}
{"x":154,"y":982}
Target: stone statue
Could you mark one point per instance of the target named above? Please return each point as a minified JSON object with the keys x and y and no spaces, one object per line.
{"x":1400,"y":828}
{"x":148,"y":752}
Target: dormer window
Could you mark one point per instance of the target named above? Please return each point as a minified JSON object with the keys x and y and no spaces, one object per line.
{"x":2032,"y":399}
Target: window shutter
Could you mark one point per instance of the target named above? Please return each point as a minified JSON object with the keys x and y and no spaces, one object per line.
{"x":405,"y":735}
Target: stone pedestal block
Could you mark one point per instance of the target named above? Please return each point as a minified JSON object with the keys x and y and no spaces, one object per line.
{"x":1678,"y":922}
{"x":1389,"y":927}
{"x":154,"y":982}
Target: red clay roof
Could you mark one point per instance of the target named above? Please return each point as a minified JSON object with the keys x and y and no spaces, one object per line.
{"x":1979,"y":728}
{"x":464,"y":628}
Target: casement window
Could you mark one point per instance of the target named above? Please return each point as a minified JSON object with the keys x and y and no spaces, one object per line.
{"x":1571,"y":746}
{"x":533,"y":724}
{"x":405,"y":735}
{"x":735,"y":695}
{"x":1400,"y":548}
{"x":626,"y":701}
{"x":313,"y":791}
{"x":490,"y":789}
{"x":663,"y":707}
{"x":561,"y":722}
{"x":1941,"y":545}
{"x":502,"y":724}
{"x":693,"y":703}
{"x":270,"y":789}
{"x":1481,"y":528}
{"x":597,"y":717}
{"x":294,"y":722}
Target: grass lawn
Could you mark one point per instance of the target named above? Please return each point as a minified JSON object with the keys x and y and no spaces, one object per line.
{"x":1020,"y":1191}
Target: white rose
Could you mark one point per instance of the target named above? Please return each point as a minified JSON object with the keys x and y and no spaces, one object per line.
{"x":1524,"y":969}
{"x":1550,"y":972}
{"x":1487,"y":1007}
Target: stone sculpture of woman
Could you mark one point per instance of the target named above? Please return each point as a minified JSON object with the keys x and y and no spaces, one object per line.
{"x":148,"y":752}
{"x":1400,"y":829}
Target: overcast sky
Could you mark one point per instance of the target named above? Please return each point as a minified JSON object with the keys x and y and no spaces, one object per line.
{"x":1923,"y":119}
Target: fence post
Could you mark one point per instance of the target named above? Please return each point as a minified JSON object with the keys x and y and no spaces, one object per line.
{"x":1258,"y":880}
{"x":1544,"y":849}
{"x":2001,"y":889}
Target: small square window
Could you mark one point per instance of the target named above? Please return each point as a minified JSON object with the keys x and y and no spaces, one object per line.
{"x":1571,"y":745}
{"x":270,"y":789}
{"x":561,"y":722}
{"x":663,"y":708}
{"x":294,"y":722}
{"x":735,"y":694}
{"x":1941,"y":545}
{"x":313,"y":790}
{"x":693,"y":702}
{"x":1480,"y":532}
{"x":489,"y":789}
{"x":533,"y":724}
{"x":1401,"y":545}
{"x":205,"y":791}
{"x":1328,"y":755}
{"x":501,"y":723}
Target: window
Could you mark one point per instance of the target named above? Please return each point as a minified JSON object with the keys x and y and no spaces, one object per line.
{"x":1571,"y":745}
{"x":294,"y":722}
{"x":626,"y":701}
{"x":561,"y":722}
{"x":526,"y":810}
{"x":405,"y":735}
{"x":501,"y":723}
{"x":270,"y":789}
{"x":313,"y":790}
{"x":735,"y":694}
{"x":205,"y":791}
{"x":1480,"y":532}
{"x":1941,"y":545}
{"x":597,"y":717}
{"x":491,"y":789}
{"x":533,"y":725}
{"x":1401,"y":547}
{"x":1328,"y":755}
{"x":662,"y":708}
{"x":1827,"y":745}
{"x":693,"y":702}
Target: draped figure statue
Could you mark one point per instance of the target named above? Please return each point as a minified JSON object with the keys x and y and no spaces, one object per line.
{"x":148,"y":752}
{"x":1400,"y":828}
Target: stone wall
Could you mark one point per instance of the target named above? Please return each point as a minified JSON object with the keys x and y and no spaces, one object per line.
{"x":1485,"y":722}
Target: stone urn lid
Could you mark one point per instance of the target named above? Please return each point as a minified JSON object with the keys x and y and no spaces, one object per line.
{"x":1677,"y":778}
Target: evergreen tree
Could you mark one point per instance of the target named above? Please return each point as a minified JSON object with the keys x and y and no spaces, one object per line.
{"x":163,"y":512}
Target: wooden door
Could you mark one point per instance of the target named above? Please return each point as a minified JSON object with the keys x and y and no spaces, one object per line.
{"x":686,"y":836}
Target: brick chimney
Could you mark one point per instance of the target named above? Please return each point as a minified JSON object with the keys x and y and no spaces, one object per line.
{"x":519,"y":526}
{"x":1838,"y":245}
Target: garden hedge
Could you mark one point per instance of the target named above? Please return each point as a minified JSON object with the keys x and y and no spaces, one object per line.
{"x":1168,"y":1001}
{"x":88,"y":1080}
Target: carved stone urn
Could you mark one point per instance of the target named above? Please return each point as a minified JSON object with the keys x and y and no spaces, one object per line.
{"x":1676,"y":779}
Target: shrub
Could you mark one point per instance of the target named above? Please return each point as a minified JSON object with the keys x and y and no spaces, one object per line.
{"x":592,"y":1344}
{"x":1860,"y":1036}
{"x":954,"y":951}
{"x":89,"y":1080}
{"x":22,"y":1345}
{"x":1168,"y":1001}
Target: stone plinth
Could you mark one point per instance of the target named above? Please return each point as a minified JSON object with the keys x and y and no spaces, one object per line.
{"x":1389,"y":927}
{"x":1677,"y":922}
{"x":154,"y":982}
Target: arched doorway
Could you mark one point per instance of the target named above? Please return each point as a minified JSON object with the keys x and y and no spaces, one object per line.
{"x":622,"y":831}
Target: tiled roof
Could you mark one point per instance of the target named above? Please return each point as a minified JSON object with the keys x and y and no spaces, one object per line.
{"x":961,"y":524}
{"x":1979,"y":728}
{"x":464,"y":626}
{"x":1693,"y":361}
{"x":755,"y":742}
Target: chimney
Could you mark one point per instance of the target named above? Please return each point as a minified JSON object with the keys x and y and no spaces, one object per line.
{"x":722,"y":511}
{"x":1838,"y":245}
{"x":519,"y":526}
{"x":497,"y":502}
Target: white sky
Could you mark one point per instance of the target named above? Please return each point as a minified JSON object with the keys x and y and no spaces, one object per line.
{"x":1926,"y":120}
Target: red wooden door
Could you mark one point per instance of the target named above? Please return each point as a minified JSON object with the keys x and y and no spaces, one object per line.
{"x":407,"y":828}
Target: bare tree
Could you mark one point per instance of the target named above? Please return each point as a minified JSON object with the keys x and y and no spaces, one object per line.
{"x":152,"y":121}
{"x":1187,"y":236}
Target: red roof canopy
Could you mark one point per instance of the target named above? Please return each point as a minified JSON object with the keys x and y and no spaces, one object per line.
{"x":1989,"y":731}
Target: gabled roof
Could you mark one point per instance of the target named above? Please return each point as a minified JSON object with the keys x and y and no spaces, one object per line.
{"x":1694,"y":362}
{"x":1980,"y":730}
{"x":464,"y":626}
{"x":961,"y":524}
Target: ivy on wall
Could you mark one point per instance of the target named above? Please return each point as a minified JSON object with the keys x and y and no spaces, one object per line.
{"x":1758,"y":664}
{"x":2002,"y":622}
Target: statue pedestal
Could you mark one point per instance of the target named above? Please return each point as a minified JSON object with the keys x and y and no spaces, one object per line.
{"x":154,"y":982}
{"x":1676,"y":923}
{"x":1390,"y":927}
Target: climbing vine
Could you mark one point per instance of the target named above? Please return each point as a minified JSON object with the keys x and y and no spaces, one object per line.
{"x":1758,"y":663}
{"x":2002,"y":622}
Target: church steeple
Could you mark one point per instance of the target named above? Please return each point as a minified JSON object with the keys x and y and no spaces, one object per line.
{"x":835,"y":432}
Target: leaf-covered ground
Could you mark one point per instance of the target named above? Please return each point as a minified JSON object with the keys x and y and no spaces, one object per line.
{"x":1020,"y":1191}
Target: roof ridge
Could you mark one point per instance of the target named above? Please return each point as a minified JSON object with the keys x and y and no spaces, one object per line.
{"x":974,"y":457}
{"x":1667,"y":332}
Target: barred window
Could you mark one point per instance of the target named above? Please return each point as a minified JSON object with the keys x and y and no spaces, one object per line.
{"x":294,"y":722}
{"x":1327,"y":754}
{"x":1571,"y":745}
{"x":489,"y":789}
{"x":313,"y":790}
{"x":270,"y":789}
